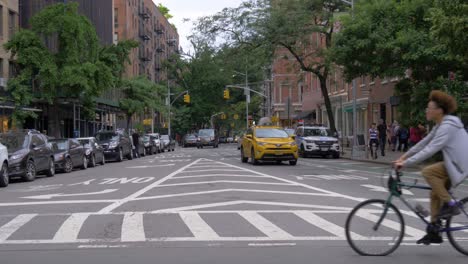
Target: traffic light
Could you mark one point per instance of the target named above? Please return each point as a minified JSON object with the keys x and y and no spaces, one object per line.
{"x":187,"y":98}
{"x":226,"y":93}
{"x":223,"y":116}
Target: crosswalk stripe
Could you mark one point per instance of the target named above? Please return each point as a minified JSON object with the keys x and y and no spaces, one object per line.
{"x":133,"y":228}
{"x":322,"y":223}
{"x":265,"y":226}
{"x":70,"y":229}
{"x":16,"y":223}
{"x":199,"y":228}
{"x":414,"y":232}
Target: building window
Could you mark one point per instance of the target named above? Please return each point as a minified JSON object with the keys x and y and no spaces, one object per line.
{"x":11,"y":23}
{"x":1,"y":21}
{"x":116,"y":17}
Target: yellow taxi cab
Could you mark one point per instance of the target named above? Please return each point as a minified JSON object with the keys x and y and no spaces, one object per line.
{"x":268,"y":143}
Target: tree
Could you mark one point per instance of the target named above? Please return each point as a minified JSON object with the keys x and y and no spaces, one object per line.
{"x":402,"y":38}
{"x":287,"y":24}
{"x":78,"y":69}
{"x":164,"y":11}
{"x":139,"y":94}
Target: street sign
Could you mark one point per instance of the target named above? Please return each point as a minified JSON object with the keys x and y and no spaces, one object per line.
{"x":147,"y":122}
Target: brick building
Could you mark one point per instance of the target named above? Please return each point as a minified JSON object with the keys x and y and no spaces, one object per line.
{"x":8,"y":26}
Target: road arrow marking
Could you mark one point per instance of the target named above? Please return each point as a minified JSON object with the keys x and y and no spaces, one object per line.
{"x":50,"y":196}
{"x":375,"y":188}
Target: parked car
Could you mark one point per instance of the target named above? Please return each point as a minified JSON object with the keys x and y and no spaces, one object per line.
{"x":157,"y":141}
{"x":229,"y":140}
{"x":29,"y":153}
{"x":168,"y":143}
{"x":190,"y":140}
{"x":222,"y":139}
{"x":4,"y":178}
{"x":116,"y":145}
{"x":69,"y":154}
{"x":94,"y":151}
{"x":149,"y":144}
{"x":207,"y":137}
{"x":317,"y":140}
{"x":268,"y":143}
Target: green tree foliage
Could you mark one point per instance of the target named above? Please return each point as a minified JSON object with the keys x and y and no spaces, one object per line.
{"x":164,"y":11}
{"x":287,"y":25}
{"x":78,"y":68}
{"x":406,"y":39}
{"x":140,"y":94}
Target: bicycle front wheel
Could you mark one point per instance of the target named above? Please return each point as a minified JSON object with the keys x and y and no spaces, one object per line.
{"x":374,"y":228}
{"x":459,"y":238}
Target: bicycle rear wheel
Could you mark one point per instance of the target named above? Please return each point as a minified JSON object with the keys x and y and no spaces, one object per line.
{"x":369,"y":238}
{"x":459,"y":238}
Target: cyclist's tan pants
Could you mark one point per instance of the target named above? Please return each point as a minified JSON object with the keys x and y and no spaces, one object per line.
{"x":437,"y":177}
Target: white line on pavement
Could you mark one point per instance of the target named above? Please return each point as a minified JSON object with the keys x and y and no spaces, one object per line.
{"x":265,"y":226}
{"x":210,"y":182}
{"x":150,"y":166}
{"x":8,"y":229}
{"x":59,"y":202}
{"x":133,"y":228}
{"x":199,"y":228}
{"x":118,"y":203}
{"x":218,"y":175}
{"x":70,"y":229}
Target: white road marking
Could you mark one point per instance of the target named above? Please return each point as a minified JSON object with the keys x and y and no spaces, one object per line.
{"x":133,"y":228}
{"x":150,"y":166}
{"x":376,"y":188}
{"x":265,"y":226}
{"x":53,"y":195}
{"x":220,"y":181}
{"x":59,"y":202}
{"x":16,"y":223}
{"x":70,"y":229}
{"x":193,"y":171}
{"x":416,"y":233}
{"x":199,"y":228}
{"x":218,"y":175}
{"x":118,"y":203}
{"x":320,"y":222}
{"x":270,"y":244}
{"x":229,"y":190}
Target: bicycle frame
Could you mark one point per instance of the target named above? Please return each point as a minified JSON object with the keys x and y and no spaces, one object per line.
{"x":395,"y":186}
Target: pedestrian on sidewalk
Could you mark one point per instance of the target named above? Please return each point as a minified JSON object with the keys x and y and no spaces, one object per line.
{"x":382,"y":128}
{"x":403,"y":136}
{"x":394,"y":132}
{"x":416,"y":134}
{"x":373,"y":140}
{"x":448,"y":136}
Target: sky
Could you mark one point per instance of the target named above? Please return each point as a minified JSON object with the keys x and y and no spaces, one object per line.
{"x":192,"y":9}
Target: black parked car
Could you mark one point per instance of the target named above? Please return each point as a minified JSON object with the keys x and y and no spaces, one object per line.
{"x":28,"y":154}
{"x":150,"y":145}
{"x":190,"y":140}
{"x":168,"y":143}
{"x":115,"y":145}
{"x":94,"y":151}
{"x":69,"y":154}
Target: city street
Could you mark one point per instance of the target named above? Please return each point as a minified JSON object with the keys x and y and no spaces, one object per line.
{"x":203,"y":206}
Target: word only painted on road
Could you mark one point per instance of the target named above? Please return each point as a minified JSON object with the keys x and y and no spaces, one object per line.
{"x":134,"y":180}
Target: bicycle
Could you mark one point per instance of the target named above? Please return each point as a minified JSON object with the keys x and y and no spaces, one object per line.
{"x":386,"y":217}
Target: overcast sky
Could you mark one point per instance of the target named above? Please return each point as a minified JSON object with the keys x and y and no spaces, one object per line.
{"x":192,"y":9}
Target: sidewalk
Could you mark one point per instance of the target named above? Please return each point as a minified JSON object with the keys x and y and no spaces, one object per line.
{"x":390,"y":156}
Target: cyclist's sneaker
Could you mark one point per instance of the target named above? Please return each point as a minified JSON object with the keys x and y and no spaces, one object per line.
{"x":447,"y":211}
{"x":430,"y":238}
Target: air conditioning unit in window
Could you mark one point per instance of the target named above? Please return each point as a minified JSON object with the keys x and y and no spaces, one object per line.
{"x":3,"y":82}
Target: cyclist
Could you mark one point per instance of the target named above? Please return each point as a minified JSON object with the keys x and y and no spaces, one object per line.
{"x":448,"y":136}
{"x":373,"y":139}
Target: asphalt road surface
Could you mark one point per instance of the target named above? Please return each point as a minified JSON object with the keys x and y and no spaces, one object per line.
{"x":203,"y":206}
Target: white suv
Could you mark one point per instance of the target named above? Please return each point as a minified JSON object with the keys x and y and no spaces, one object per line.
{"x":317,"y":140}
{"x":4,"y":178}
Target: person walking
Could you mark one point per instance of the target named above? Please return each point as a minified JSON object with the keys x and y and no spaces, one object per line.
{"x":415,"y":135}
{"x":403,"y":136}
{"x":373,"y":140}
{"x":448,"y":136}
{"x":136,"y":144}
{"x":382,"y":129}
{"x":394,"y":132}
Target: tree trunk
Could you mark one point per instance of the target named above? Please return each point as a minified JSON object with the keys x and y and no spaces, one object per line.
{"x":326,"y":99}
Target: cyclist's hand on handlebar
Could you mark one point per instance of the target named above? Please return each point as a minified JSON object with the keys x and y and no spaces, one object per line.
{"x":398,"y":164}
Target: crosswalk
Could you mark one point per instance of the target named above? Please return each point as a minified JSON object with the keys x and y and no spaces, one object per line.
{"x":190,"y":226}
